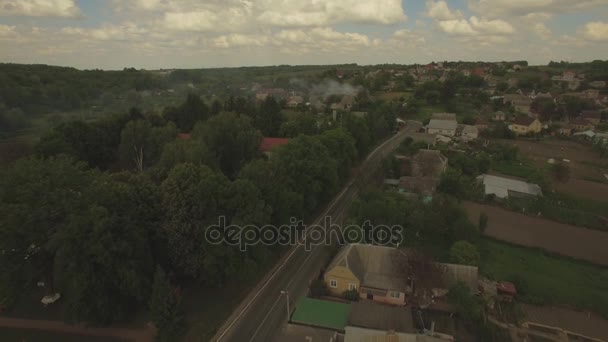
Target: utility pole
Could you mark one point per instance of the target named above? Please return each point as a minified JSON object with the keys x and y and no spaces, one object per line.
{"x":286,"y":293}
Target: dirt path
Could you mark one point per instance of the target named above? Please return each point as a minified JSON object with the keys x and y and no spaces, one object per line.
{"x":133,"y":335}
{"x":584,"y":189}
{"x":572,"y":241}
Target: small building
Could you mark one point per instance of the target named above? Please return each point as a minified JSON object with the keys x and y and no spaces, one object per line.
{"x":526,"y":125}
{"x":443,"y":127}
{"x":481,"y":124}
{"x":598,"y":84}
{"x":503,"y":187}
{"x":520,"y":102}
{"x":469,"y":132}
{"x":294,"y":101}
{"x":579,"y":125}
{"x":422,"y":173}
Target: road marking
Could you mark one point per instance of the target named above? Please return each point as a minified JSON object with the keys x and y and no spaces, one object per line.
{"x":296,"y":248}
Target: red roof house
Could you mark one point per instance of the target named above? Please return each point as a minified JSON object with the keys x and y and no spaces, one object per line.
{"x":268,"y":144}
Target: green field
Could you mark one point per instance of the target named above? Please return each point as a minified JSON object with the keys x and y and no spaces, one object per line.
{"x":321,"y":313}
{"x":547,"y":279}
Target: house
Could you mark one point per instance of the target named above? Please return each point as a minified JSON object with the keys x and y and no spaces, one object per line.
{"x":579,"y":125}
{"x":269,"y":144}
{"x":347,"y":102}
{"x":566,"y":130}
{"x":593,"y":116}
{"x":591,"y":93}
{"x":368,"y":269}
{"x":503,"y":187}
{"x":598,"y":84}
{"x":526,"y":125}
{"x":443,"y":123}
{"x":520,"y":102}
{"x":373,"y":272}
{"x":470,"y":132}
{"x":422,"y":173}
{"x":294,"y":100}
{"x":499,"y":116}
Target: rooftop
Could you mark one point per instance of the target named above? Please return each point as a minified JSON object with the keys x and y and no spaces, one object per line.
{"x":443,"y":124}
{"x":372,"y":315}
{"x":268,"y":144}
{"x":501,"y":186}
{"x":372,"y":265}
{"x":321,"y":313}
{"x":524,"y":121}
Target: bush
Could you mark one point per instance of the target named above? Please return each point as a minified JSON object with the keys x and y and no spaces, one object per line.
{"x":464,"y":253}
{"x":351,"y":295}
{"x":318,"y":288}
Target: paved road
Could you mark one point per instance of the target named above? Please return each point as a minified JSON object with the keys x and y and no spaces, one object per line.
{"x":261,"y":315}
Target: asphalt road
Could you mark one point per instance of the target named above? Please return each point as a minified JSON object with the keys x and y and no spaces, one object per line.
{"x":264,"y":311}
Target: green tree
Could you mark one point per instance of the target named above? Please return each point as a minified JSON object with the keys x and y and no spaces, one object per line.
{"x":179,"y":151}
{"x":231,"y":138}
{"x":269,"y":119}
{"x":341,"y":146}
{"x":141,"y":144}
{"x":308,"y":168}
{"x":465,"y":253}
{"x":165,"y":307}
{"x":187,"y":114}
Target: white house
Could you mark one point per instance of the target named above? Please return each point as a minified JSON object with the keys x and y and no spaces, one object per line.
{"x":443,"y":127}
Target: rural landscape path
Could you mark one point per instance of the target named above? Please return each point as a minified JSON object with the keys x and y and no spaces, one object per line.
{"x":568,"y":240}
{"x":131,"y":335}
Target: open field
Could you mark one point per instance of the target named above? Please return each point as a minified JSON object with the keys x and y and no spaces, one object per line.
{"x":585,"y":165}
{"x":586,"y":323}
{"x":546,"y":279}
{"x":572,"y":241}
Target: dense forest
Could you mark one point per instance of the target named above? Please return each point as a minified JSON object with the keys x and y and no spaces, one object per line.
{"x":113,"y":212}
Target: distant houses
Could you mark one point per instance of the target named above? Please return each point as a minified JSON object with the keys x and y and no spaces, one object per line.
{"x":443,"y":124}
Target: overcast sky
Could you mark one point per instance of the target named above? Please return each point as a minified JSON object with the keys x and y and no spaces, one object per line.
{"x":112,"y":34}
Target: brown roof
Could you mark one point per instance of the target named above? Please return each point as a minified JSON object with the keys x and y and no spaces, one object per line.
{"x":371,"y":315}
{"x":524,"y":121}
{"x":590,"y":114}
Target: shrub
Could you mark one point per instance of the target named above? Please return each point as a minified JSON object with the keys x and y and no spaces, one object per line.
{"x":318,"y":288}
{"x":465,"y":253}
{"x":351,"y":295}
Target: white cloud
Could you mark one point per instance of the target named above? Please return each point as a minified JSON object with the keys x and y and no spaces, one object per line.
{"x":495,"y":26}
{"x":108,"y":32}
{"x":456,"y":26}
{"x":498,"y":8}
{"x":597,"y":31}
{"x":542,"y":30}
{"x":239,"y":40}
{"x":439,"y":10}
{"x":408,"y":36}
{"x":231,"y":19}
{"x":39,"y":8}
{"x":317,"y":13}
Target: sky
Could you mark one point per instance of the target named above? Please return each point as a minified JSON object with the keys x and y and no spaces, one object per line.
{"x":152,"y":34}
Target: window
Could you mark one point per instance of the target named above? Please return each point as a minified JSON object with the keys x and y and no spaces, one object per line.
{"x":333,"y":283}
{"x":352,"y":286}
{"x":395,"y":294}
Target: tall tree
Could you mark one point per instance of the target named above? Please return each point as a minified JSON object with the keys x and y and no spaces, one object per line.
{"x":269,"y":118}
{"x":165,"y":307}
{"x":232,"y":138}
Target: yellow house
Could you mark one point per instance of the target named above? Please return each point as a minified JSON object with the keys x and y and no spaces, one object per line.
{"x":370,"y":271}
{"x":526,"y":125}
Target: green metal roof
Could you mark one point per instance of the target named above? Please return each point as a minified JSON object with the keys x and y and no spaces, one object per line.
{"x":321,"y":313}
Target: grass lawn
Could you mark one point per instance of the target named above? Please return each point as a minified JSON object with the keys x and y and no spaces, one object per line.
{"x":321,"y":313}
{"x":547,"y":279}
{"x":426,"y":111}
{"x":26,"y":335}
